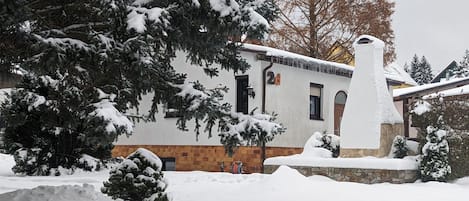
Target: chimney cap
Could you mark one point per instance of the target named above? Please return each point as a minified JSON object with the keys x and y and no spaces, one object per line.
{"x":367,"y":39}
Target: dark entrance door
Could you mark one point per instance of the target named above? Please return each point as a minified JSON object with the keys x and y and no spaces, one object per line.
{"x":242,"y":83}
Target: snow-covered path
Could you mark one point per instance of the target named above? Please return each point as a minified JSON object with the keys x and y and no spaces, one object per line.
{"x":285,"y":184}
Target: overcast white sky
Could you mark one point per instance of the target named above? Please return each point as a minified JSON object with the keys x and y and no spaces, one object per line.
{"x":438,"y":29}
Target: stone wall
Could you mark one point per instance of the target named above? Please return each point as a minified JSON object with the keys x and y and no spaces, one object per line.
{"x":459,"y":156}
{"x":208,"y":158}
{"x":388,"y":132}
{"x":367,"y":176}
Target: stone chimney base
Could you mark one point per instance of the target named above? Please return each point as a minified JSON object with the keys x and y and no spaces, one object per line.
{"x":388,"y":132}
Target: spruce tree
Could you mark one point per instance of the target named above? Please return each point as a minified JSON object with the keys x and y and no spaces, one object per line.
{"x":137,"y":178}
{"x":420,"y":71}
{"x":462,"y":69}
{"x":434,"y":165}
{"x":426,"y":71}
{"x":414,"y":65}
{"x":88,"y":62}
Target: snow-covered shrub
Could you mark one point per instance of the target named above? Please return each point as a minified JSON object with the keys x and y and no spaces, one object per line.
{"x":399,"y":147}
{"x":137,"y":178}
{"x":31,"y":162}
{"x":89,"y":163}
{"x":434,"y":165}
{"x":322,"y":145}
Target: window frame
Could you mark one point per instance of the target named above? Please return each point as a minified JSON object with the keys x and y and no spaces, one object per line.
{"x":317,"y":102}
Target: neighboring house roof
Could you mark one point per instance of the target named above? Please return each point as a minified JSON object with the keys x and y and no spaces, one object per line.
{"x":396,"y":72}
{"x":313,"y":64}
{"x":422,"y":90}
{"x":338,"y":53}
{"x":459,"y":91}
{"x":445,"y":72}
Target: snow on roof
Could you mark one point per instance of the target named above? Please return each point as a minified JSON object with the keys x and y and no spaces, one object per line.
{"x":285,"y":54}
{"x":396,"y":72}
{"x":450,"y":92}
{"x":409,"y":90}
{"x":400,"y":75}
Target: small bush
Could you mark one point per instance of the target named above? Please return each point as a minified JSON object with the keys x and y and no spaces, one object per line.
{"x":399,"y":147}
{"x":137,"y":178}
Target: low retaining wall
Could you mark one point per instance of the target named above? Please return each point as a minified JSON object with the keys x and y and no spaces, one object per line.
{"x":367,"y":176}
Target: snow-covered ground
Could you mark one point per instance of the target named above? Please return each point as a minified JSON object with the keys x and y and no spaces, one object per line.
{"x":285,"y":184}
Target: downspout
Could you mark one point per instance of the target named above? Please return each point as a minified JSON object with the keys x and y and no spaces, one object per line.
{"x":264,"y":75}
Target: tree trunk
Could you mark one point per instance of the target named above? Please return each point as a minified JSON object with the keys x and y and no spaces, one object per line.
{"x":313,"y":35}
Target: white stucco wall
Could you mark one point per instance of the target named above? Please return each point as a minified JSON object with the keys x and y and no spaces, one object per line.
{"x":290,"y":100}
{"x":164,"y":130}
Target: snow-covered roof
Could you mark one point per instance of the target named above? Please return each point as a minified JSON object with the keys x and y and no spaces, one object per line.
{"x":450,"y":92}
{"x":395,"y":72}
{"x":416,"y":89}
{"x":442,"y":73}
{"x":269,"y":51}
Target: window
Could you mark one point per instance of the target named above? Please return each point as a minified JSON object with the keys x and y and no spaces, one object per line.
{"x":315,"y":91}
{"x":170,"y":108}
{"x":171,"y":111}
{"x":242,"y":84}
{"x":169,"y":164}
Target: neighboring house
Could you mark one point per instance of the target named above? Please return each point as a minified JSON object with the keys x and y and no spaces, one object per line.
{"x":457,"y":87}
{"x":307,"y":94}
{"x":446,"y":73}
{"x":394,"y":72}
{"x":338,"y":53}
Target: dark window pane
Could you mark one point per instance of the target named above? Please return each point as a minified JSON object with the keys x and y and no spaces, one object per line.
{"x":314,"y":107}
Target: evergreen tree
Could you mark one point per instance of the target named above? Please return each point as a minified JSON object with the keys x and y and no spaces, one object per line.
{"x":434,"y":165}
{"x":462,"y":69}
{"x":414,"y":65}
{"x":90,"y":61}
{"x":137,"y":178}
{"x":420,"y":71}
{"x":426,"y":71}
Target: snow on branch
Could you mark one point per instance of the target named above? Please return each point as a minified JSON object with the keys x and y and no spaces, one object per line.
{"x":235,"y":10}
{"x":421,"y":107}
{"x":114,"y":119}
{"x":236,"y":129}
{"x":138,"y":15}
{"x":64,"y":43}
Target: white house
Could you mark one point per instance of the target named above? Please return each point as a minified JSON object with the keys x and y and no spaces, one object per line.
{"x":307,"y":94}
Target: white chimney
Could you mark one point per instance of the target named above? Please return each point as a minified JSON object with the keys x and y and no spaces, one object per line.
{"x":369,"y":104}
